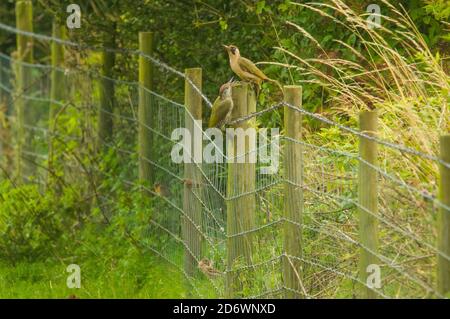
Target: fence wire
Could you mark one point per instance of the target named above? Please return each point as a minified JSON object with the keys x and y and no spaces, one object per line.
{"x":155,"y":217}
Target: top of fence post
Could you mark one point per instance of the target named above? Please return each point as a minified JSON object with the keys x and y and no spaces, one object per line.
{"x":146,"y":46}
{"x":145,"y":107}
{"x":24,"y":22}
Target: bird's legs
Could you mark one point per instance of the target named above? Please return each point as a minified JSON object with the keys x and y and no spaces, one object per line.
{"x":255,"y":86}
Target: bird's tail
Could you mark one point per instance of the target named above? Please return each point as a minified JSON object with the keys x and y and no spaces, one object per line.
{"x":277,"y":83}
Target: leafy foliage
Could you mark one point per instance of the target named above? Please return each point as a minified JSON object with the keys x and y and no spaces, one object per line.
{"x":34,"y":226}
{"x":97,"y":224}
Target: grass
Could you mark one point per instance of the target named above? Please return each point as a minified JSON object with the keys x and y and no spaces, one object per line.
{"x":411,"y":94}
{"x":149,"y":279}
{"x":119,"y":271}
{"x":394,"y":71}
{"x":408,"y":89}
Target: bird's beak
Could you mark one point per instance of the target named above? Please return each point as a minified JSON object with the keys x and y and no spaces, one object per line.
{"x":226,"y":47}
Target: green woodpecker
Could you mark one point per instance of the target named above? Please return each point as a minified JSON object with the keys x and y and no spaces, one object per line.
{"x":222,"y":107}
{"x":245,"y":69}
{"x":207,"y":267}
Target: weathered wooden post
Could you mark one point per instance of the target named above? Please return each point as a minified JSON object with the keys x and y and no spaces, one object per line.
{"x":2,"y":109}
{"x":11,"y":150}
{"x":5,"y":69}
{"x":293,"y":193}
{"x":191,"y":222}
{"x":250,"y":164}
{"x":240,"y":189}
{"x":57,"y":93}
{"x":24,"y":22}
{"x":145,"y":135}
{"x":4,"y":105}
{"x":3,"y":76}
{"x":105,"y":113}
{"x":368,"y":200}
{"x":443,"y":264}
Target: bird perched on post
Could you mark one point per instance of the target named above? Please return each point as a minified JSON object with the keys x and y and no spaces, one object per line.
{"x":222,"y":107}
{"x":161,"y":190}
{"x":246,"y":70}
{"x":206,"y":266}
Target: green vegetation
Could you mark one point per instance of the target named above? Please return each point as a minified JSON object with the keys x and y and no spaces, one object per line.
{"x":87,"y":204}
{"x":130,"y":276}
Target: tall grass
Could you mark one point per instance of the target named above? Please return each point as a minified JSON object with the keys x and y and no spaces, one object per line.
{"x":394,"y":72}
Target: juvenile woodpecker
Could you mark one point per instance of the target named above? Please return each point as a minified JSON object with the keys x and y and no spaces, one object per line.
{"x":246,"y":70}
{"x":207,"y":267}
{"x":222,"y":107}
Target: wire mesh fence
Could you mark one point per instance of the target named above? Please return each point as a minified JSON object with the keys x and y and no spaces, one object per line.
{"x":224,"y":225}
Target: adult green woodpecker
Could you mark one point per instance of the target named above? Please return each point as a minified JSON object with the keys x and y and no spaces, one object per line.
{"x":245,"y":69}
{"x":222,"y":107}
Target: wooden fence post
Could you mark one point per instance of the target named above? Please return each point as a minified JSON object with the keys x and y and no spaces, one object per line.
{"x":240,"y":180}
{"x":443,"y":265}
{"x":250,"y":172}
{"x":2,"y":111}
{"x":13,"y":126}
{"x":3,"y":76}
{"x":145,"y":135}
{"x":5,"y":79}
{"x":24,"y":22}
{"x":57,"y":93}
{"x":105,"y":113}
{"x":4,"y":108}
{"x":293,"y":194}
{"x":368,"y":200}
{"x":192,"y":221}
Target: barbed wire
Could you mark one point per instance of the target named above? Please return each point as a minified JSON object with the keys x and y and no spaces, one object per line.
{"x":207,"y":181}
{"x":91,"y":73}
{"x":391,"y":145}
{"x":401,"y":182}
{"x":383,"y":258}
{"x":353,"y":131}
{"x":317,"y":264}
{"x":380,"y":218}
{"x":398,"y":147}
{"x":106,"y":49}
{"x":274,"y":183}
{"x":167,"y":171}
{"x":376,"y":168}
{"x":255,"y":114}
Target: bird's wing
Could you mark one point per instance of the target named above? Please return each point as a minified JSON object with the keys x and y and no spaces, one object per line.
{"x":250,"y":67}
{"x":220,"y":111}
{"x":213,"y":118}
{"x":224,"y":109}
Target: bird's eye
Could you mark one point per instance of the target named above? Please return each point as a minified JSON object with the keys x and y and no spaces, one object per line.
{"x":233,"y":50}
